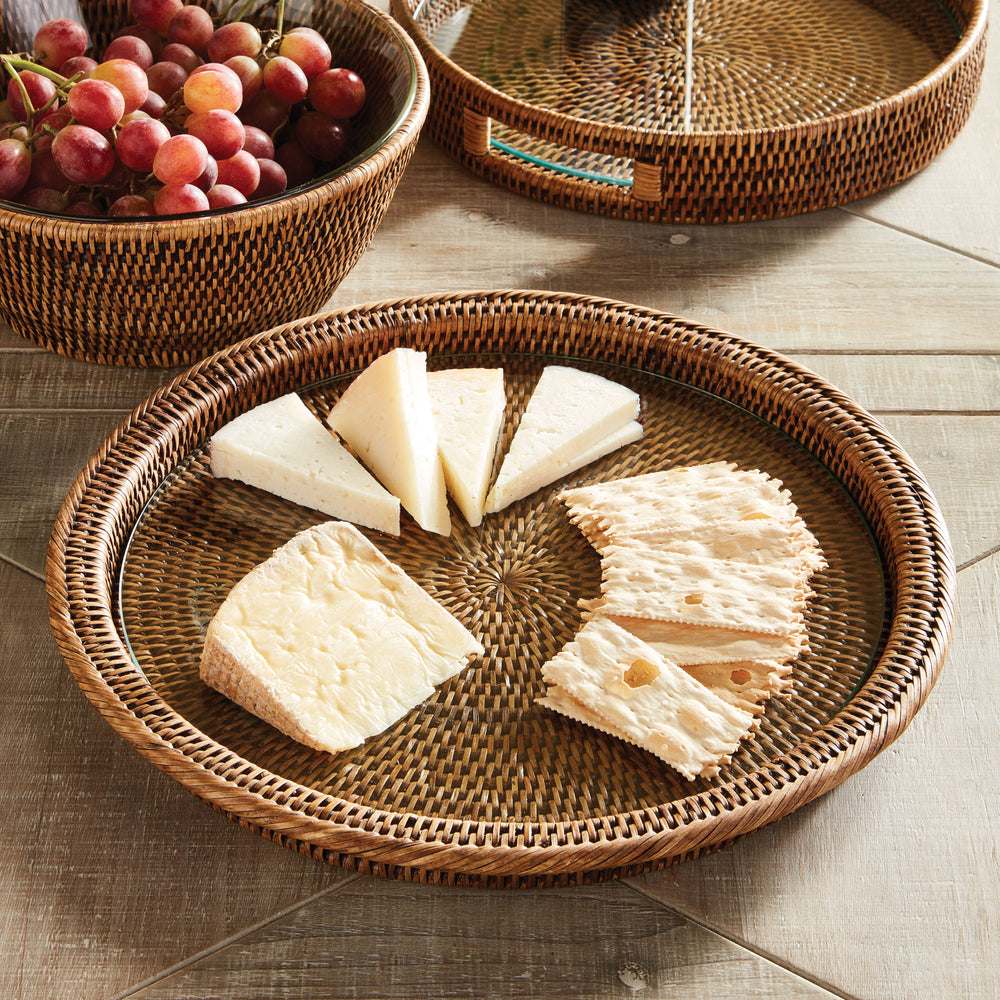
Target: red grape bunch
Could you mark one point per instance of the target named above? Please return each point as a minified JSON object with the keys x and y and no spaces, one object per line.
{"x":180,"y":114}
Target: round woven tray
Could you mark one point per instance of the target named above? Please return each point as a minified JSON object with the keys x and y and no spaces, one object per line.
{"x":480,"y":784}
{"x":697,"y":111}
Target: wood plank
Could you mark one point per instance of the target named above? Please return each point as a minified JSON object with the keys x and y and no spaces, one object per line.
{"x":888,"y":886}
{"x":820,"y":281}
{"x":382,"y":940}
{"x":41,"y":455}
{"x":909,"y":383}
{"x":109,"y":870}
{"x":958,"y":455}
{"x":952,"y":201}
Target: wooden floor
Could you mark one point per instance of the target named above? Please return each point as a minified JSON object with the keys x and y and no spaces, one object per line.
{"x":115,"y":882}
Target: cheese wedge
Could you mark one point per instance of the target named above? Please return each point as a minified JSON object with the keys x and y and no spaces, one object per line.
{"x":385,"y":416}
{"x":569,"y":414}
{"x":468,"y":406}
{"x":281,"y":447}
{"x":330,"y":642}
{"x":615,"y":682}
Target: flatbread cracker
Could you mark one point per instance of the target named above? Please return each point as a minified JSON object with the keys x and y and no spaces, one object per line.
{"x":691,"y":645}
{"x":761,"y":541}
{"x":628,"y":689}
{"x":747,"y":684}
{"x":666,"y":587}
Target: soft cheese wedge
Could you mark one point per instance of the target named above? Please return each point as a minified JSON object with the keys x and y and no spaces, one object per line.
{"x":331,"y":643}
{"x":281,"y":447}
{"x":569,"y":415}
{"x":468,"y":406}
{"x":385,"y":416}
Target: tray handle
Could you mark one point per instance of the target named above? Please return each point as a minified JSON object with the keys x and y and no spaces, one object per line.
{"x":647,"y":178}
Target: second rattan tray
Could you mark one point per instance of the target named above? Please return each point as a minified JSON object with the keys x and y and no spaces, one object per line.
{"x":699,"y":111}
{"x":480,"y":783}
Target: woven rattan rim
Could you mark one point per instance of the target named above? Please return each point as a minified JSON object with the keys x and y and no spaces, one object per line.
{"x":93,"y":527}
{"x":711,"y":176}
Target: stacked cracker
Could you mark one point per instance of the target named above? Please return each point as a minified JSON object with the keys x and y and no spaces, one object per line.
{"x":705,"y":578}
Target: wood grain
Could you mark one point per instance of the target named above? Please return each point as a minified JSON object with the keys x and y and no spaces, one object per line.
{"x":383,"y":941}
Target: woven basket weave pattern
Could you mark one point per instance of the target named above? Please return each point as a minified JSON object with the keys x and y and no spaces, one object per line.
{"x":773,"y":128}
{"x":173,"y":291}
{"x":479,"y":784}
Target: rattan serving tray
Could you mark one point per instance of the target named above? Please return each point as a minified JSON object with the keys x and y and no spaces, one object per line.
{"x":697,"y":111}
{"x":480,"y":784}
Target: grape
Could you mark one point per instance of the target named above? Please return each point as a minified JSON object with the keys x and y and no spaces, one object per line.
{"x":298,"y":165}
{"x":83,"y":208}
{"x":221,"y":131}
{"x":53,"y":120}
{"x":96,"y":103}
{"x":138,"y":142}
{"x":191,"y":26}
{"x":157,"y":14}
{"x":258,"y":143}
{"x":238,"y":38}
{"x":250,"y":74}
{"x":180,"y":160}
{"x":273,"y":179}
{"x":322,"y":137}
{"x":15,"y":167}
{"x":209,"y":88}
{"x":44,"y":199}
{"x":149,"y":35}
{"x":307,"y":48}
{"x":130,"y":47}
{"x":83,"y":154}
{"x":285,"y":80}
{"x":339,"y":93}
{"x":165,"y":79}
{"x":77,"y":64}
{"x":58,"y":40}
{"x":45,"y":172}
{"x":207,"y":178}
{"x":265,"y":112}
{"x":224,"y":196}
{"x":154,"y":105}
{"x":130,"y":206}
{"x":180,"y":199}
{"x":183,"y":55}
{"x":241,"y":172}
{"x":40,"y":91}
{"x":128,"y":77}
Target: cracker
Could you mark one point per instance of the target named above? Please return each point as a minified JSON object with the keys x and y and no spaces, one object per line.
{"x":662,"y":586}
{"x":763,"y":541}
{"x":746,"y":684}
{"x":629,"y":690}
{"x":690,"y":645}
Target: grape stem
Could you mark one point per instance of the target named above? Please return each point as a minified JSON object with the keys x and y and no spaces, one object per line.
{"x":14,"y":63}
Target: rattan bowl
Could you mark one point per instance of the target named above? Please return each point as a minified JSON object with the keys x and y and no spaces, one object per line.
{"x":173,"y":290}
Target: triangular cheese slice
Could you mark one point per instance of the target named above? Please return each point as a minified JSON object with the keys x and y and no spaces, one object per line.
{"x":330,"y":642}
{"x":630,"y":691}
{"x":282,"y":447}
{"x":385,"y":416}
{"x":468,"y":406}
{"x":570,"y":413}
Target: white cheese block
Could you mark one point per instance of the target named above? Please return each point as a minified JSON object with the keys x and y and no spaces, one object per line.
{"x":330,"y":642}
{"x":546,"y":473}
{"x":468,"y":406}
{"x":281,"y":447}
{"x":569,"y":415}
{"x":385,"y":416}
